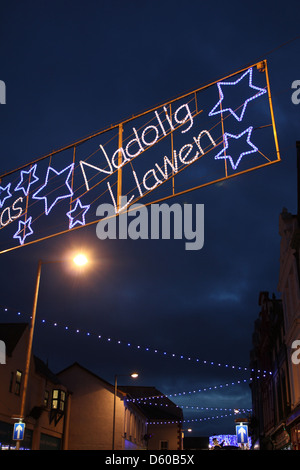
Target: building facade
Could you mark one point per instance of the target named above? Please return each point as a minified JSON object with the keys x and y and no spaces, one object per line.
{"x":46,"y":397}
{"x":288,"y":286}
{"x":164,"y":418}
{"x":91,"y":419}
{"x":76,"y":409}
{"x":276,"y":348}
{"x":270,"y":377}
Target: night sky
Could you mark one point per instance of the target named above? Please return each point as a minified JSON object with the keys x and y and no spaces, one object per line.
{"x":73,"y":68}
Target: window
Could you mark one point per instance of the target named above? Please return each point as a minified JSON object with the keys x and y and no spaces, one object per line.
{"x":164,"y":445}
{"x":62,"y":400}
{"x":57,"y":405}
{"x":18,"y":382}
{"x":49,"y":442}
{"x":54,"y":404}
{"x":46,"y":398}
{"x":11,"y":381}
{"x":58,"y":400}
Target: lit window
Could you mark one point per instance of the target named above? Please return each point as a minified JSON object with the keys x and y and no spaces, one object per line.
{"x":18,"y":382}
{"x":58,"y":400}
{"x":54,"y":405}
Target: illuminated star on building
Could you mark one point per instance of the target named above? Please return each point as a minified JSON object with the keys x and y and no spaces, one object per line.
{"x":24,"y":230}
{"x":4,"y":191}
{"x":32,"y":178}
{"x":217,"y":108}
{"x":78,"y":211}
{"x":52,"y":190}
{"x":227,"y":154}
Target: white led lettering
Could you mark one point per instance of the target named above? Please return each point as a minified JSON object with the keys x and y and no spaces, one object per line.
{"x":11,"y":213}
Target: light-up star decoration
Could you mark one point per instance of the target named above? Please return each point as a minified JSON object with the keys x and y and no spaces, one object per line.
{"x":78,"y":211}
{"x":49,"y":195}
{"x":217,"y":108}
{"x":24,"y":230}
{"x":4,"y":194}
{"x":24,"y":184}
{"x":223,"y":154}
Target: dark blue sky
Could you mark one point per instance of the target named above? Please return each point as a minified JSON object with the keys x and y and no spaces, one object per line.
{"x":72,"y":68}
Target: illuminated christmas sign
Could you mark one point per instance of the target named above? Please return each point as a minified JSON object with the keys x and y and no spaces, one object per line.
{"x":216,"y":132}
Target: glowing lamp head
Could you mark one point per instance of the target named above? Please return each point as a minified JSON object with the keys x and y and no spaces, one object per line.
{"x":134,"y":375}
{"x":80,"y":260}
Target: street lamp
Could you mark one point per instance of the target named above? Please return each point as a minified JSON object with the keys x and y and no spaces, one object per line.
{"x":79,"y":260}
{"x":134,"y":375}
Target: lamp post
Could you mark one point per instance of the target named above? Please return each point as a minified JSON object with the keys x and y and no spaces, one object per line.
{"x":134,"y":375}
{"x":79,"y":260}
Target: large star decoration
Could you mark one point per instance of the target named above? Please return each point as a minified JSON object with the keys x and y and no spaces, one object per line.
{"x":65,"y":188}
{"x":8,"y":194}
{"x":260,"y":91}
{"x":24,"y":230}
{"x":228,"y":155}
{"x":78,"y":211}
{"x":21,"y":184}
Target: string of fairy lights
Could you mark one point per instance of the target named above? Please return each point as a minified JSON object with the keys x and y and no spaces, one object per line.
{"x":198,"y":420}
{"x":154,"y":400}
{"x":140,"y":347}
{"x":190,"y":392}
{"x":193,"y":420}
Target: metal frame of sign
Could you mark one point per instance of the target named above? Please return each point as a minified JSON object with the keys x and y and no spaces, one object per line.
{"x":117,"y":163}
